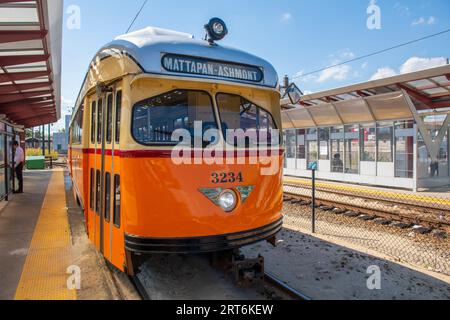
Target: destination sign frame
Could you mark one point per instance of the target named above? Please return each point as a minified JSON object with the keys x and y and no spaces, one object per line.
{"x":196,"y":66}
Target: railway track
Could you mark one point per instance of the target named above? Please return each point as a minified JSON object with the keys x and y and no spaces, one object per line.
{"x":277,"y":284}
{"x":428,"y":205}
{"x":268,"y":287}
{"x":383,"y":209}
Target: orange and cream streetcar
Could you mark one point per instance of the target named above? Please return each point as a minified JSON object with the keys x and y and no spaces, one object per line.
{"x":151,"y":119}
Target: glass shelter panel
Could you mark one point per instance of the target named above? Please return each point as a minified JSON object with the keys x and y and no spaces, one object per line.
{"x":351,"y":161}
{"x":312,"y":145}
{"x":368,"y":143}
{"x":404,"y":149}
{"x":337,"y":149}
{"x":385,"y":136}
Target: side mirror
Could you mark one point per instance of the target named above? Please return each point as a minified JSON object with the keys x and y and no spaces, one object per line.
{"x":294,"y":93}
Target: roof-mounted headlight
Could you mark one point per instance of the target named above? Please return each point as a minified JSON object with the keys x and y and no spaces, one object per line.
{"x":216,"y":30}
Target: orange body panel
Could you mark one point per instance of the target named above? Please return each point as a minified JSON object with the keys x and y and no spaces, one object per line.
{"x":163,"y":200}
{"x":113,"y":238}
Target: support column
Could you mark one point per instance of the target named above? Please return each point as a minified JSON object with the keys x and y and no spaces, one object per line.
{"x":43,"y":140}
{"x":49,"y":140}
{"x":416,"y":159}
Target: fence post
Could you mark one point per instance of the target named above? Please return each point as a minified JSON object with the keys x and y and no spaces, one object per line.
{"x":313,"y":205}
{"x":313,"y":167}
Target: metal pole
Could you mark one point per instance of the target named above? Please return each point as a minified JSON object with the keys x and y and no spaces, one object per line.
{"x":43,"y":140}
{"x":49,"y":140}
{"x":313,"y":205}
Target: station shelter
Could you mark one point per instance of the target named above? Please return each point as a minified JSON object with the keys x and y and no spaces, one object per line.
{"x":392,"y":132}
{"x":30,"y":74}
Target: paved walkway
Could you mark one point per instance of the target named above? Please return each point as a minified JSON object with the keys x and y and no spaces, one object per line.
{"x":17,"y":223}
{"x":43,"y":239}
{"x":45,"y":273}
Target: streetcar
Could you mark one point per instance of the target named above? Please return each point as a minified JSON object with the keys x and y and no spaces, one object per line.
{"x":149,"y":94}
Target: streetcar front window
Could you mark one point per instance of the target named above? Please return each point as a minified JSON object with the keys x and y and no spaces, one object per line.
{"x":238,"y":113}
{"x":156,"y":119}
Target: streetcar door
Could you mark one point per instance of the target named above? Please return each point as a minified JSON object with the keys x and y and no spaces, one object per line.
{"x":101,"y":168}
{"x":107,"y":169}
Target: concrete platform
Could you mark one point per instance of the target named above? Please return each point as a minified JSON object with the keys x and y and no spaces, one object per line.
{"x":17,"y":223}
{"x":42,"y":240}
{"x":329,"y":269}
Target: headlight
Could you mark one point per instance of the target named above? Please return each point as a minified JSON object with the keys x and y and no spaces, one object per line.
{"x":216,"y":30}
{"x":227,"y":200}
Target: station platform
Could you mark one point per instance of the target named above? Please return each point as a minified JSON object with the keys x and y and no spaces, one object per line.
{"x":43,"y":245}
{"x":436,"y":198}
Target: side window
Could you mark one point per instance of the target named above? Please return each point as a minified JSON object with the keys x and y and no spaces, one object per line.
{"x":80,"y":124}
{"x":118,"y":115}
{"x":109,"y":116}
{"x":92,"y":190}
{"x":97,"y":192}
{"x":107,"y":196}
{"x":71,"y":134}
{"x":117,"y":201}
{"x":99,"y":120}
{"x":93,"y":114}
{"x":76,"y":131}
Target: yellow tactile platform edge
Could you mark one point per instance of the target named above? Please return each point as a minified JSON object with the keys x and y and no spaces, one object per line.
{"x":388,"y":194}
{"x":44,"y":274}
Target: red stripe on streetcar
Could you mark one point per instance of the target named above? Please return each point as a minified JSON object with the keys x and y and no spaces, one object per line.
{"x":192,"y":154}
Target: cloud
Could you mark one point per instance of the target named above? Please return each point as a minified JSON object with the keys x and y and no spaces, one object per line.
{"x":411,"y":65}
{"x":403,"y":10}
{"x":300,"y":75}
{"x":383,"y":73}
{"x":416,"y":64}
{"x":338,"y":73}
{"x":432,"y":20}
{"x":285,"y":17}
{"x":424,"y":21}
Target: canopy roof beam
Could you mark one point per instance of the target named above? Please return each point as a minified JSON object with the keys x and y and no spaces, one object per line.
{"x":20,"y":35}
{"x":6,"y":61}
{"x":9,"y":77}
{"x":24,"y":95}
{"x":22,"y":87}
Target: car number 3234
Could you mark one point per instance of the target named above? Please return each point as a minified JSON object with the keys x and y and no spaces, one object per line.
{"x":226,"y":177}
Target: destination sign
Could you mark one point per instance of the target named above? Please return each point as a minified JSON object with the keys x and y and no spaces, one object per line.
{"x":205,"y":67}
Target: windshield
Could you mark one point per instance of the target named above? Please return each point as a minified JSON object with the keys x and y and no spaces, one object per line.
{"x":155,"y":119}
{"x":239,"y":113}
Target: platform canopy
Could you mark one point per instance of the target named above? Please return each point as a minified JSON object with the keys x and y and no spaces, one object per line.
{"x":30,"y":61}
{"x":398,"y":97}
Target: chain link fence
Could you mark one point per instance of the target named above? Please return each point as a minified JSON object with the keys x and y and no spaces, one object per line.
{"x":408,"y":227}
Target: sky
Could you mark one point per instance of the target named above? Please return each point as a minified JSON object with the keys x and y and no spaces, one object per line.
{"x":296,"y":36}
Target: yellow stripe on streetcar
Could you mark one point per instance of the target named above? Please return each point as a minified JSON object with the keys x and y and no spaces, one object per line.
{"x":392,"y":195}
{"x":44,"y":274}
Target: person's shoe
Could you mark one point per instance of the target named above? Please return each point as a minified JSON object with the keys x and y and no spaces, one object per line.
{"x":18,"y":192}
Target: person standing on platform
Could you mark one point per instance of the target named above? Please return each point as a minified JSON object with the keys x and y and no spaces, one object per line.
{"x":19,"y":160}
